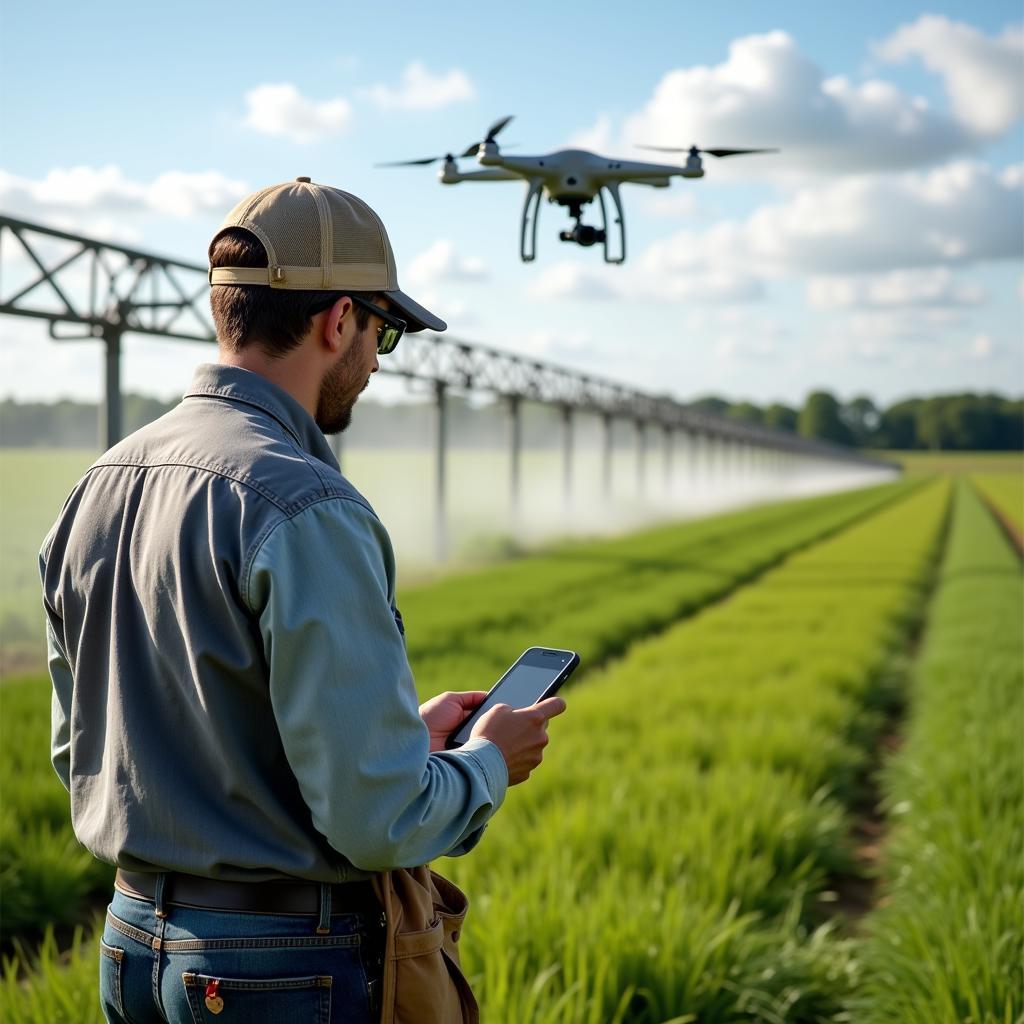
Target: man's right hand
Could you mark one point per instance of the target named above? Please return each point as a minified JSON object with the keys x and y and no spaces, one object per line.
{"x":520,"y":734}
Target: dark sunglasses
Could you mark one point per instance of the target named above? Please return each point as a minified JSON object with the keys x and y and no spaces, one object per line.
{"x":389,"y":334}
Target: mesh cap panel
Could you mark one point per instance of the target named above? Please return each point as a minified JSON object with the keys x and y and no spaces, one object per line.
{"x":293,"y":227}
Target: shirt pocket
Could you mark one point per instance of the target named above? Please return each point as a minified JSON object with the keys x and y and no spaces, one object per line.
{"x":289,"y":1000}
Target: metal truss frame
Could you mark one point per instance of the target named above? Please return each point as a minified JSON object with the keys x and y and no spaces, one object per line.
{"x":122,"y":290}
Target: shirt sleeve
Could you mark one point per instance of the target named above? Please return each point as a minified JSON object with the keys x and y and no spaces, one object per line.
{"x":344,"y":700}
{"x":63,"y":685}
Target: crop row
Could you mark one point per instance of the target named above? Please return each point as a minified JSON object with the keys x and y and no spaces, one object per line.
{"x":1005,"y":492}
{"x":593,"y":597}
{"x":597,"y":598}
{"x":675,"y":852}
{"x":948,"y":943}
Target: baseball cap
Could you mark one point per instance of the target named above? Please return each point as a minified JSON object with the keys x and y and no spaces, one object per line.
{"x":319,"y":238}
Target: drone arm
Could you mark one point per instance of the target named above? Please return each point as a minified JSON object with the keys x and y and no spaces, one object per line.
{"x":531,"y":214}
{"x":494,"y":174}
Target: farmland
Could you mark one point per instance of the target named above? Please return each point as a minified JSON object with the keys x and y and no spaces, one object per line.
{"x":686,"y":851}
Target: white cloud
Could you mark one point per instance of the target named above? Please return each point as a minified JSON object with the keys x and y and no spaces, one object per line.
{"x":440,"y":262}
{"x":984,"y":76}
{"x":421,"y":90}
{"x":279,"y":109}
{"x":576,"y":281}
{"x":679,"y":204}
{"x":97,"y":199}
{"x":962,"y":213}
{"x":933,"y":286}
{"x":769,"y":94}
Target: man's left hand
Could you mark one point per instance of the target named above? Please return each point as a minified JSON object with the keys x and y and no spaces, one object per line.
{"x":446,"y":712}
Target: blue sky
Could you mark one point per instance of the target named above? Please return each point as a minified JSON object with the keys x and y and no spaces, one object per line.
{"x":879,"y":253}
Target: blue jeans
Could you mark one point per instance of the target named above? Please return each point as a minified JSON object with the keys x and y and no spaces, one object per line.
{"x":200,"y":966}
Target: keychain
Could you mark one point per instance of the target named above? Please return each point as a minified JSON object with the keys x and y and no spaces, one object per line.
{"x":214,"y":1003}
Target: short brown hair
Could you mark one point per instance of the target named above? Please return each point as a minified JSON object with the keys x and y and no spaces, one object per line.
{"x":273,"y":318}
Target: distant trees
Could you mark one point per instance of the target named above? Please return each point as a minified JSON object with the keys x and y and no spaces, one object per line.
{"x":964,"y":422}
{"x":821,"y":419}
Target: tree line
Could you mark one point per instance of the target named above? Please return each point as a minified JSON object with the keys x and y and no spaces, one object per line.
{"x":959,"y":422}
{"x":962,"y":422}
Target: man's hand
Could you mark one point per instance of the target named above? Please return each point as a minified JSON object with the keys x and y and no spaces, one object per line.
{"x":446,"y":712}
{"x":521,"y":735}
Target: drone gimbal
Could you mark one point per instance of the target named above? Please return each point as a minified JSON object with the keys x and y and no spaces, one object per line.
{"x":582,"y":234}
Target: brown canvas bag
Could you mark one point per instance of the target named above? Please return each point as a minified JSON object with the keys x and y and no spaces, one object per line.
{"x":423,"y":982}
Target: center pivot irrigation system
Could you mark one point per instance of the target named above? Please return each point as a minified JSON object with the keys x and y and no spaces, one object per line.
{"x":91,"y":290}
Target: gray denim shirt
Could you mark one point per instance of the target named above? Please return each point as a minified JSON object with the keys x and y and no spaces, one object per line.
{"x":231,"y":692}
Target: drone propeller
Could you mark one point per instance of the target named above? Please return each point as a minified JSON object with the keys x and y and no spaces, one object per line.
{"x":418,"y":163}
{"x":449,"y":157}
{"x":710,"y":152}
{"x":491,"y":135}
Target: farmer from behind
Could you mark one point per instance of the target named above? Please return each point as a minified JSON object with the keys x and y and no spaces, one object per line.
{"x":233,"y":710}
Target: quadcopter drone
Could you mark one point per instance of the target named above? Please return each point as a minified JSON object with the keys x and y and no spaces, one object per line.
{"x":572,"y":178}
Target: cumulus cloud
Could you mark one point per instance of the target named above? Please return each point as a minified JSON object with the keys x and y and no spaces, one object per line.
{"x":933,"y":286}
{"x":769,"y":94}
{"x":418,"y":89}
{"x":80,"y":195}
{"x":279,"y":109}
{"x":962,"y":213}
{"x":576,"y":281}
{"x":984,"y":76}
{"x":440,"y":262}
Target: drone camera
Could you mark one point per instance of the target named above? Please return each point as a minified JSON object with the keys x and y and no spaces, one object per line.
{"x":583,"y":234}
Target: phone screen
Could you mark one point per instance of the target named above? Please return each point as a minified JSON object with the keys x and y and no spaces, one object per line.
{"x":521,"y":686}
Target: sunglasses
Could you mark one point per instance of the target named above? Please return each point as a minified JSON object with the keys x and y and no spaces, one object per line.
{"x":389,"y":334}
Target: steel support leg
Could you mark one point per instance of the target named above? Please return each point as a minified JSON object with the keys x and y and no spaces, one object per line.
{"x":667,"y":440}
{"x":567,"y":456}
{"x":606,"y":457}
{"x":641,"y":445}
{"x":111,"y":423}
{"x":516,"y":432}
{"x":338,"y":447}
{"x":441,"y":525}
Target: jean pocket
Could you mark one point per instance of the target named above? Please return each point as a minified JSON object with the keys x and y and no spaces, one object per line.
{"x":111,"y":981}
{"x":302,"y":1000}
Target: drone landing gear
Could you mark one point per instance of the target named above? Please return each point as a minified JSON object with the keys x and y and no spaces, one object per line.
{"x":531,"y":214}
{"x":582,"y":234}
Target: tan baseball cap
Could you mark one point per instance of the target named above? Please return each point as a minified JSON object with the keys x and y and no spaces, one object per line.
{"x":319,"y":238}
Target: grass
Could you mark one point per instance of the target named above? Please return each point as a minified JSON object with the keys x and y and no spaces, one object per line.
{"x":1005,"y":491}
{"x":596,"y":598}
{"x":673,"y":855}
{"x":948,"y":944}
{"x":672,"y":860}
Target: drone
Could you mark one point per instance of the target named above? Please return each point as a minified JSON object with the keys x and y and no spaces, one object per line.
{"x":572,"y":178}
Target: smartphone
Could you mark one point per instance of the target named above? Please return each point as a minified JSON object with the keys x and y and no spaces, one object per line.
{"x":536,"y":674}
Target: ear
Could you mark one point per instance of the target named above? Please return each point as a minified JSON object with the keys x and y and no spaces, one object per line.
{"x":339,"y":324}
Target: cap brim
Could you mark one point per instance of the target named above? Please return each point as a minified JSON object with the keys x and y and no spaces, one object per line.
{"x":417,"y":318}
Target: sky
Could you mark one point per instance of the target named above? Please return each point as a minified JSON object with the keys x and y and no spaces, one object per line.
{"x":879,"y":252}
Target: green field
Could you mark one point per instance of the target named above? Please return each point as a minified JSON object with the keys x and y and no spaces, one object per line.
{"x":688,"y":850}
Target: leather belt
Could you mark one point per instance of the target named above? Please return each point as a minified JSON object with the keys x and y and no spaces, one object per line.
{"x":298,"y":897}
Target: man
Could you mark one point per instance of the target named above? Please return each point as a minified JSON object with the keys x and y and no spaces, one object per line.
{"x":233,"y":711}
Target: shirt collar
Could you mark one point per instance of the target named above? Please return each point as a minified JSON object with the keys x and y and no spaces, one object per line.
{"x":238,"y":385}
